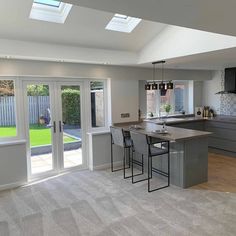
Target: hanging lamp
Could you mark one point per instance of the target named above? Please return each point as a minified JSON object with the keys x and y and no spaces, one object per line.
{"x":154,"y":85}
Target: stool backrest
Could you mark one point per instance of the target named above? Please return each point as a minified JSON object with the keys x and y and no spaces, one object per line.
{"x":117,"y":136}
{"x":140,"y":143}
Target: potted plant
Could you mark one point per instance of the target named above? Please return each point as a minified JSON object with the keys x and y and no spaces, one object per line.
{"x":167,"y":108}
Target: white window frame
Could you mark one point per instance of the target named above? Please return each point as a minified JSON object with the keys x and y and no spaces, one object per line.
{"x":172,"y":102}
{"x":105,"y":102}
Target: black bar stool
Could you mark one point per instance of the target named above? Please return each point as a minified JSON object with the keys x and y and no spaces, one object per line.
{"x":142,"y":144}
{"x":120,"y":138}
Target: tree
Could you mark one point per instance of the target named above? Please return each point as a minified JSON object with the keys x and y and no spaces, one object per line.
{"x":6,"y":88}
{"x":37,"y":90}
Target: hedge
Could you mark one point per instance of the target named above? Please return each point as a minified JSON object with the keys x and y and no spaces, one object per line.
{"x":71,"y":106}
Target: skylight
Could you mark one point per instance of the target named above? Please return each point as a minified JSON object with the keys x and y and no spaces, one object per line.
{"x":123,"y":23}
{"x":50,"y":10}
{"x":52,"y":3}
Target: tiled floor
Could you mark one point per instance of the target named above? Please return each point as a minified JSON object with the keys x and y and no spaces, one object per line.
{"x":43,"y":163}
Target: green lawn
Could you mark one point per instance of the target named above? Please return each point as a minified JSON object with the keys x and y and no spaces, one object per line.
{"x":39,"y":135}
{"x":7,"y":131}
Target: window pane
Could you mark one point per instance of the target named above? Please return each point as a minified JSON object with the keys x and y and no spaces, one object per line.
{"x":151,"y":102}
{"x":7,"y":109}
{"x":166,"y":100}
{"x":179,"y":98}
{"x":97,"y":104}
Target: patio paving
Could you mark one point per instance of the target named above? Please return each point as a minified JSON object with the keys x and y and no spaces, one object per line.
{"x":43,"y":163}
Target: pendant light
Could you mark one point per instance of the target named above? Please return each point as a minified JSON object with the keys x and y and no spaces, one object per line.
{"x":170,"y":85}
{"x":162,"y":85}
{"x":147,"y":86}
{"x":154,"y":85}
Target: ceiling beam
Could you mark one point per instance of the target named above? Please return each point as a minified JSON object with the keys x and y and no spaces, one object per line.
{"x":209,"y":15}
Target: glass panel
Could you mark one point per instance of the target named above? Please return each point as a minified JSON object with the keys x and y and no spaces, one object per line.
{"x":72,"y":134}
{"x":179,"y":98}
{"x":52,"y":3}
{"x":151,"y":103}
{"x":97,"y":104}
{"x":7,"y":109}
{"x":40,"y":128}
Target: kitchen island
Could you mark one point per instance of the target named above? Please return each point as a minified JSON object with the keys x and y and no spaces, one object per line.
{"x":188,"y":153}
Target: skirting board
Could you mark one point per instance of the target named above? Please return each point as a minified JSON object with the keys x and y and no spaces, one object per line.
{"x":108,"y":165}
{"x":11,"y":186}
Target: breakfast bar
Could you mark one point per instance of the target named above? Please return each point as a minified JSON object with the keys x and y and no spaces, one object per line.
{"x":188,"y":152}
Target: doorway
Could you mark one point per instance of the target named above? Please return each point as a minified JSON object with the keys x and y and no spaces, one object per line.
{"x":54,"y":125}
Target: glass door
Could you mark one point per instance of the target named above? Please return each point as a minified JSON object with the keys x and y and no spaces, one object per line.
{"x":53,"y":127}
{"x":41,"y":128}
{"x":70,"y":125}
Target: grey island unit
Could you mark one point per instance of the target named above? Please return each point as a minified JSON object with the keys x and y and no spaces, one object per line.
{"x":188,"y":153}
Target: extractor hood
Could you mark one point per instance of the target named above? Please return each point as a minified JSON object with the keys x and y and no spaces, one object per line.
{"x":230,"y":81}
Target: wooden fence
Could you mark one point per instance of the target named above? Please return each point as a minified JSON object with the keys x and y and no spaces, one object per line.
{"x":37,"y":105}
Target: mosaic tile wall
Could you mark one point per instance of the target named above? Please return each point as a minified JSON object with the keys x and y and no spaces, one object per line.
{"x":227,"y":101}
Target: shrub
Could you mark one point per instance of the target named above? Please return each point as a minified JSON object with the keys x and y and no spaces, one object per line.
{"x":71,"y":106}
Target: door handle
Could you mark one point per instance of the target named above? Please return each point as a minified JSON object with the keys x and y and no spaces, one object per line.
{"x":54,"y":127}
{"x":60,"y":126}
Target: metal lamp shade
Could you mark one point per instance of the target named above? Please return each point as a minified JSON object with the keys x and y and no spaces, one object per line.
{"x":154,"y":86}
{"x":147,"y":86}
{"x":170,"y":85}
{"x":161,"y":86}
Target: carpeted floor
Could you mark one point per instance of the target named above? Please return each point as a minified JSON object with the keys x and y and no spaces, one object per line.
{"x":102,"y":203}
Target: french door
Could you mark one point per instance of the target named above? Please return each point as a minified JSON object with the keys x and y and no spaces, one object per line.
{"x":54,"y":125}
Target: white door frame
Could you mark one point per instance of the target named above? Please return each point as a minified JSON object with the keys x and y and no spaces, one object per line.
{"x":54,"y":85}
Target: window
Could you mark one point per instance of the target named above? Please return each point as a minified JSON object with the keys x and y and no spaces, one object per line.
{"x":7,"y":109}
{"x":123,"y":23}
{"x":97,"y":104}
{"x":177,"y":98}
{"x":50,"y":10}
{"x":51,"y":3}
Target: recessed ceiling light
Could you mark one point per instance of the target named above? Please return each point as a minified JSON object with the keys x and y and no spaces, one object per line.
{"x":123,"y":23}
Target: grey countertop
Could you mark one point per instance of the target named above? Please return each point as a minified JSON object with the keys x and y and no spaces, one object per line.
{"x":174,"y":134}
{"x":220,"y":118}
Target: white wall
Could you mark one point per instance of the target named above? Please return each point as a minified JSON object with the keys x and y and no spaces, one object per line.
{"x":210,"y":88}
{"x":124,"y":80}
{"x":13,"y":167}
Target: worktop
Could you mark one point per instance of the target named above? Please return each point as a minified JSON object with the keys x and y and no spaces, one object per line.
{"x":174,"y":134}
{"x":176,"y":120}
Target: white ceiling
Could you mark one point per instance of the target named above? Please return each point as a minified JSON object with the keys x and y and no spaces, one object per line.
{"x":216,"y":16}
{"x":216,"y":60}
{"x":83,"y":36}
{"x":84,"y":27}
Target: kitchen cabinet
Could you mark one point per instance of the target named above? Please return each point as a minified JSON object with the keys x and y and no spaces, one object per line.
{"x":223,"y":135}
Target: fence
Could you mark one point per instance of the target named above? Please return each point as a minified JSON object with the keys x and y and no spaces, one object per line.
{"x":38,"y":105}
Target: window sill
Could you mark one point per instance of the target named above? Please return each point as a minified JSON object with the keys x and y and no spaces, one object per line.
{"x":12,"y":143}
{"x":94,"y":133}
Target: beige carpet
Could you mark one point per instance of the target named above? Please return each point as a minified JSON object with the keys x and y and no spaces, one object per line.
{"x":102,"y":203}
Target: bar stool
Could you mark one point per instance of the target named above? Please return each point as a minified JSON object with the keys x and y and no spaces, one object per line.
{"x":142,"y":144}
{"x":122,"y":139}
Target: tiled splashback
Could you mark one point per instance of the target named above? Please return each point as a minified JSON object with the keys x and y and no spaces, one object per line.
{"x":227,"y":101}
